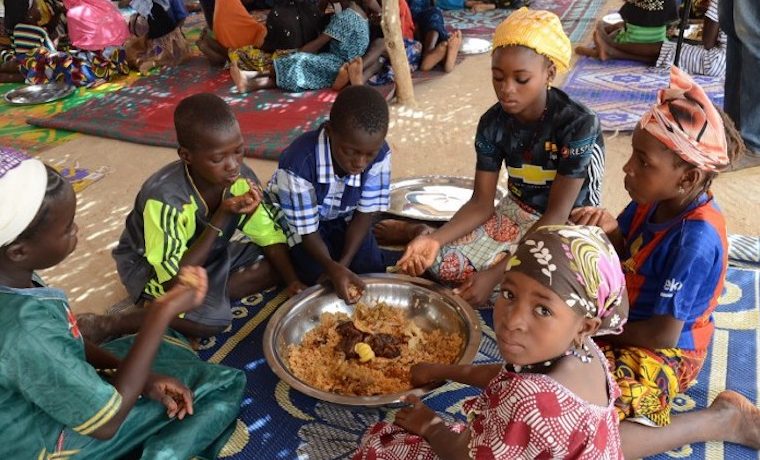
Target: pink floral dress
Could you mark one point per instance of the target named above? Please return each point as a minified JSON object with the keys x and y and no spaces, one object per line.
{"x":518,"y":416}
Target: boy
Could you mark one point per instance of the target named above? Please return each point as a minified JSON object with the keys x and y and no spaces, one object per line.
{"x":328,"y":185}
{"x":186,"y":214}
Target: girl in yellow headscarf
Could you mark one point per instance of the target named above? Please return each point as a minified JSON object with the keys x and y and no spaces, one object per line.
{"x":552,"y":148}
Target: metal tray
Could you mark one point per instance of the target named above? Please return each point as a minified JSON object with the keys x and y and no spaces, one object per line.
{"x":39,"y":94}
{"x":428,"y":304}
{"x":474,"y":45}
{"x":432,"y":198}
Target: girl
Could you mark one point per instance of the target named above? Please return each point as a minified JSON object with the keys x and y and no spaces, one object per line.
{"x":709,"y":58}
{"x":60,"y":396}
{"x":437,"y":45}
{"x":157,"y":34}
{"x":644,"y":24}
{"x":672,"y":240}
{"x":553,"y":150}
{"x":345,"y":38}
{"x":554,"y":397}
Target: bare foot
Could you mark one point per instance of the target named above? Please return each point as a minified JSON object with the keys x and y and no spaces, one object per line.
{"x":244,"y":78}
{"x":589,"y":51}
{"x":745,"y":418}
{"x":433,"y":57}
{"x":394,"y":232}
{"x":601,"y":47}
{"x":452,"y":51}
{"x":356,"y":71}
{"x":341,"y":80}
{"x":480,"y":7}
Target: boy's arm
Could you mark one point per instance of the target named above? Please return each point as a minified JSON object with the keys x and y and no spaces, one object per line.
{"x":340,"y":276}
{"x":710,"y":32}
{"x":355,"y":234}
{"x":278,"y":256}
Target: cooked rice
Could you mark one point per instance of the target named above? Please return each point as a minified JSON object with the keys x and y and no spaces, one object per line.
{"x":319,"y":361}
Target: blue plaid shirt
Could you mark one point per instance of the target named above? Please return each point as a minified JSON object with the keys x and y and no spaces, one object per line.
{"x":307,"y":191}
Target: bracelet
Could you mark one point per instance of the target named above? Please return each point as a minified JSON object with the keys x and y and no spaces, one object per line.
{"x":219,"y":231}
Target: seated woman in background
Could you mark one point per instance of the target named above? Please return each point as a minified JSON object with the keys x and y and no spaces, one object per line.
{"x":233,"y":28}
{"x":709,"y":58}
{"x":36,"y":58}
{"x":158,"y":40}
{"x":345,"y":38}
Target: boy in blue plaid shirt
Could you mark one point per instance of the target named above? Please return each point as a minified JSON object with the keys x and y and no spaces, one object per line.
{"x":328,"y":185}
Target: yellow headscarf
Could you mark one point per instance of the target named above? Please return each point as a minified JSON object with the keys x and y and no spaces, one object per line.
{"x":538,"y":30}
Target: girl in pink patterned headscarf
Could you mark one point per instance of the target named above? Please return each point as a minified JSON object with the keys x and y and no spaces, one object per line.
{"x":553,"y":397}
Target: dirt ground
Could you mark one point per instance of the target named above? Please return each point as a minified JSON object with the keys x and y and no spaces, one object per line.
{"x":433,"y":138}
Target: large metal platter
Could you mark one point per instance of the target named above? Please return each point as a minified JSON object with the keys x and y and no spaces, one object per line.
{"x":432,"y":198}
{"x":39,"y":94}
{"x":475,"y":45}
{"x":429,"y":305}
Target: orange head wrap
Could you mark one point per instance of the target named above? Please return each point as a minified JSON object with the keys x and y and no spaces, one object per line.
{"x":684,"y":119}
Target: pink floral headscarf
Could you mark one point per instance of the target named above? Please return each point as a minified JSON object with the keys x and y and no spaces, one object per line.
{"x":581,"y":266}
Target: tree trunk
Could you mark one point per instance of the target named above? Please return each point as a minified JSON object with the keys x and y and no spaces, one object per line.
{"x":394,"y":43}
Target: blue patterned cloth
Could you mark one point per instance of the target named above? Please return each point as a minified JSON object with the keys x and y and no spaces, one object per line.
{"x":304,"y":71}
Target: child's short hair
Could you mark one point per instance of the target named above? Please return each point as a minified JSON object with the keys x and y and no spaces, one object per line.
{"x":360,"y":107}
{"x":198,"y":114}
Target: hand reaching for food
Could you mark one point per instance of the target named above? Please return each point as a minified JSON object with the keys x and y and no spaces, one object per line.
{"x":347,"y":284}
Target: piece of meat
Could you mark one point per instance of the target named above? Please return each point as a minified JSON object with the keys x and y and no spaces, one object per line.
{"x":384,"y":345}
{"x":349,"y":337}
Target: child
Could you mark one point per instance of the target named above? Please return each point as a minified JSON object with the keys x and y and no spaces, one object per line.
{"x":672,"y":240}
{"x":328,"y":185}
{"x":345,"y":38}
{"x":553,"y":150}
{"x":554,"y":397}
{"x":158,"y":39}
{"x":53,"y":402}
{"x":437,"y":45}
{"x":645,"y":23}
{"x":709,"y":58}
{"x":186,"y":214}
{"x":36,"y":60}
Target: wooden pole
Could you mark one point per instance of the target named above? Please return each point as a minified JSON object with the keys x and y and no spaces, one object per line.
{"x":681,"y":31}
{"x":394,"y":43}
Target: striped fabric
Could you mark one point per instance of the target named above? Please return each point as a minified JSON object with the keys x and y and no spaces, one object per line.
{"x":27,"y":38}
{"x":744,"y":251}
{"x":695,"y":59}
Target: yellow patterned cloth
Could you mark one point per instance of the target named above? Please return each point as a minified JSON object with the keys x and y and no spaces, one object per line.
{"x":538,"y":30}
{"x":650,"y":379}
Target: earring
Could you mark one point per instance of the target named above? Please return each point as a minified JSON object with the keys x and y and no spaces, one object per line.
{"x":581,"y":352}
{"x":681,"y":190}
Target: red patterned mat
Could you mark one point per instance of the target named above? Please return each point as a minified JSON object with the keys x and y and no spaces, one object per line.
{"x":142,"y":113}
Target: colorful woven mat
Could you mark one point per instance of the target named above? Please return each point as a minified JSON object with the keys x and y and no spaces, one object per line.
{"x":143,"y":112}
{"x":16,"y":133}
{"x":576,"y":16}
{"x":621,"y":91}
{"x":277,"y":422}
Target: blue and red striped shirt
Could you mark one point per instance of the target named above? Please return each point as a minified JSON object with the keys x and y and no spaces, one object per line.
{"x":676,"y":268}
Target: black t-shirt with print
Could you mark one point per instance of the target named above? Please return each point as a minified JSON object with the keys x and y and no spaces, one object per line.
{"x":568,"y":142}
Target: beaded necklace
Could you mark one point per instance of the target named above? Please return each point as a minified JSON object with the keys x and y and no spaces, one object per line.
{"x":528,"y":148}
